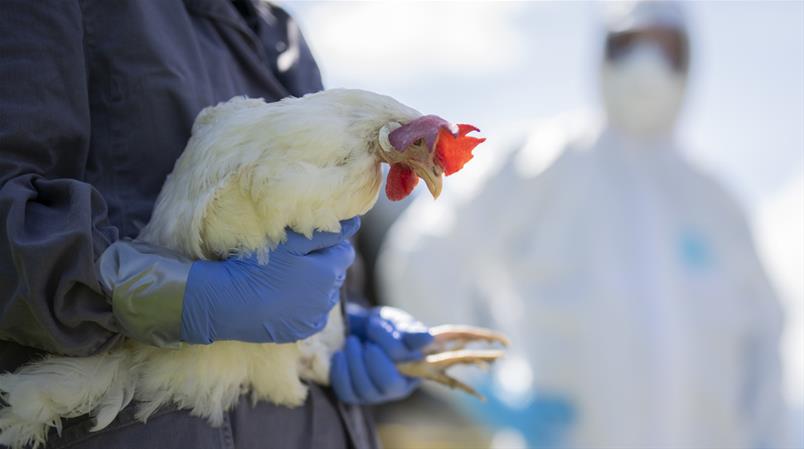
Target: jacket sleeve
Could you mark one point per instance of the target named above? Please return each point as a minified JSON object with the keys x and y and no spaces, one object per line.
{"x":763,"y":392}
{"x":54,"y":226}
{"x":762,"y":388}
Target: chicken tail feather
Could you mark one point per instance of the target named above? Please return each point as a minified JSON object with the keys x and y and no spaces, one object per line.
{"x":39,"y":395}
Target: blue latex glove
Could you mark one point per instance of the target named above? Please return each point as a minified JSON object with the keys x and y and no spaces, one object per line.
{"x":364,"y":372}
{"x":285,"y":300}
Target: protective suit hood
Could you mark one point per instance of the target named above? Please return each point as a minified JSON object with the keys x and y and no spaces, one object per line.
{"x":643,"y":75}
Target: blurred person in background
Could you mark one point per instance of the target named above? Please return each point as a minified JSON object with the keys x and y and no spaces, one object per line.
{"x":627,"y":277}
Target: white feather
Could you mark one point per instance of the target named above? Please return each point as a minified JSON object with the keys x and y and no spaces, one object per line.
{"x":250,"y":170}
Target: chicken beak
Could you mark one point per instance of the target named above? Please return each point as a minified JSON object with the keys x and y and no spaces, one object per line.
{"x":431,"y":175}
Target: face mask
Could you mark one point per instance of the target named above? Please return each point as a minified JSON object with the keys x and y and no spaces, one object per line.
{"x":642,"y":94}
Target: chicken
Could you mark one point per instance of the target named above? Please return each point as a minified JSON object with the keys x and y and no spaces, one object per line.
{"x":250,"y":171}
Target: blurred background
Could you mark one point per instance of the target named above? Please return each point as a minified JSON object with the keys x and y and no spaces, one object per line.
{"x":528,"y":75}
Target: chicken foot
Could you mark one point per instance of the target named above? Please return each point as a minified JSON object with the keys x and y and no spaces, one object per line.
{"x":447,"y":350}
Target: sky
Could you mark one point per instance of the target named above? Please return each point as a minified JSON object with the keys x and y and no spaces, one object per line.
{"x":507,"y":65}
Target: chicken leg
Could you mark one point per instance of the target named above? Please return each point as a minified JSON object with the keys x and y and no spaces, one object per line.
{"x":447,"y":350}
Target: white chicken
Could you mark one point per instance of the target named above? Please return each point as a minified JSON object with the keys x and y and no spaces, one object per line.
{"x":250,"y":171}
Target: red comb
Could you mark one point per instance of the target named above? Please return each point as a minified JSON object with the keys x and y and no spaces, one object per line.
{"x":452,"y":152}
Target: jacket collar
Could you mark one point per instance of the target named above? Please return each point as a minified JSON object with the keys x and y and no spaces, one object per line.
{"x":223,"y":12}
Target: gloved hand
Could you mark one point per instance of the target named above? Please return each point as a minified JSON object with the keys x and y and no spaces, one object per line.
{"x":364,"y":372}
{"x":285,"y":300}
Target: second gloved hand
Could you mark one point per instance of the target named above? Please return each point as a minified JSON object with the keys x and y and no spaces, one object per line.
{"x":285,"y":300}
{"x":364,"y":371}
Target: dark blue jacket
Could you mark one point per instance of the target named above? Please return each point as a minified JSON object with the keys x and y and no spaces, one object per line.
{"x":97,"y":98}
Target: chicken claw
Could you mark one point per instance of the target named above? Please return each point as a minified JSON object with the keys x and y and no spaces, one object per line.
{"x":447,"y":351}
{"x":454,"y":336}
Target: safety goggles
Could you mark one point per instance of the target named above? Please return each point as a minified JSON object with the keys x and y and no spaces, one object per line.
{"x":672,"y":42}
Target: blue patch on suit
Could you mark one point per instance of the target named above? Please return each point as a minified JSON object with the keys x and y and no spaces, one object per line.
{"x":695,"y":251}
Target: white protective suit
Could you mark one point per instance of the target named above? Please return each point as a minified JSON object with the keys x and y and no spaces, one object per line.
{"x":626,"y":278}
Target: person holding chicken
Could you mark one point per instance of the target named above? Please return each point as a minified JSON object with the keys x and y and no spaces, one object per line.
{"x":96,"y":104}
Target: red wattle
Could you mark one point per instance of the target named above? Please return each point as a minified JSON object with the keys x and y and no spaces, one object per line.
{"x":400,"y":182}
